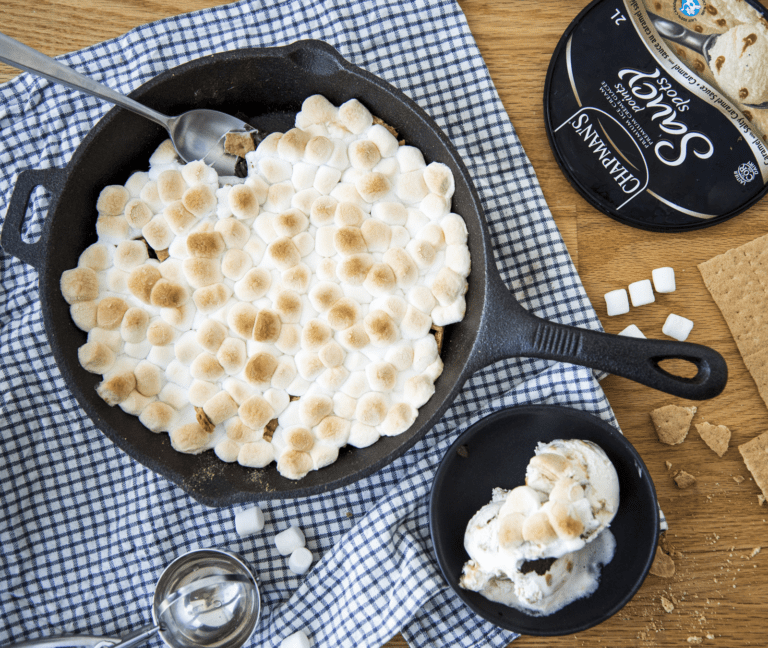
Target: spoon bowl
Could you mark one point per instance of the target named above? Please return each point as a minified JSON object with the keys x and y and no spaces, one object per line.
{"x":196,"y":135}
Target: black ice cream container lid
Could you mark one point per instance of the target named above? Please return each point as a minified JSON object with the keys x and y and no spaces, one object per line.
{"x":638,"y":123}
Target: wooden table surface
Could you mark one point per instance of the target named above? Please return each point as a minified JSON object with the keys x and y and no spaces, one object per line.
{"x":720,"y":590}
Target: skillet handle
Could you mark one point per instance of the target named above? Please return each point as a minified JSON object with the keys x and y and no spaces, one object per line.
{"x":527,"y":335}
{"x":30,"y":253}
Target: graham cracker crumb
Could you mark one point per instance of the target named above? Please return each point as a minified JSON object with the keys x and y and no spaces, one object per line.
{"x":761,"y":499}
{"x":755,"y":455}
{"x":668,"y":464}
{"x":755,"y":551}
{"x":684,"y":480}
{"x":738,"y":479}
{"x":667,"y":604}
{"x":269,"y":430}
{"x":162,"y":255}
{"x":203,"y":420}
{"x":663,"y":566}
{"x":717,"y":437}
{"x":694,"y":640}
{"x":238,"y":144}
{"x":672,"y":423}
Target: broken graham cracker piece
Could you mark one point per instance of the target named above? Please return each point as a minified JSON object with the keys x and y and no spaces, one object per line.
{"x":663,"y":565}
{"x":239,"y":143}
{"x":717,"y":437}
{"x":738,"y":282}
{"x":684,"y":480}
{"x":755,"y":455}
{"x":672,"y":423}
{"x":203,"y":420}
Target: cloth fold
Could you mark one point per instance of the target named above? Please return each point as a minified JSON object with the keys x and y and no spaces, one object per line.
{"x":86,"y":531}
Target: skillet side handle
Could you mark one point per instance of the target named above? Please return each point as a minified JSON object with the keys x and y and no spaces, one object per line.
{"x":30,"y":253}
{"x":527,"y":335}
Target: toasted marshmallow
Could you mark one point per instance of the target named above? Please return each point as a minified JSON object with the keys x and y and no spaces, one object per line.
{"x":243,"y":201}
{"x":384,"y":140}
{"x":279,"y":197}
{"x":289,"y":341}
{"x":304,"y":199}
{"x":315,"y":335}
{"x":373,"y":186}
{"x":297,"y":278}
{"x":234,"y":233}
{"x":133,"y":327}
{"x":283,"y":254}
{"x":348,"y":241}
{"x":415,"y":324}
{"x":422,"y":298}
{"x":323,"y":211}
{"x":211,"y":298}
{"x":200,"y":200}
{"x":422,"y":252}
{"x":377,"y":235}
{"x":116,"y":388}
{"x":256,"y":455}
{"x":160,"y":333}
{"x":333,"y":431}
{"x":112,"y":200}
{"x":371,"y":409}
{"x":150,"y":196}
{"x":418,"y":390}
{"x":326,"y":270}
{"x":326,"y":179}
{"x":318,"y":150}
{"x":380,"y":280}
{"x":235,"y":263}
{"x":167,"y":294}
{"x":96,"y":357}
{"x":207,"y":245}
{"x":348,"y":215}
{"x":294,"y":464}
{"x":354,"y":338}
{"x":80,"y":284}
{"x":454,"y":229}
{"x":292,"y":145}
{"x":158,"y":416}
{"x":406,"y":271}
{"x":453,"y":312}
{"x":136,"y":183}
{"x":180,"y":318}
{"x":410,"y":159}
{"x":200,"y":272}
{"x":227,"y":450}
{"x":198,"y":172}
{"x":324,"y":295}
{"x":231,"y":355}
{"x":256,"y":412}
{"x":354,"y":117}
{"x":457,"y":259}
{"x":399,"y":418}
{"x":391,"y":213}
{"x":84,"y":314}
{"x":266,"y":327}
{"x":400,"y":355}
{"x":317,"y":110}
{"x":254,"y":284}
{"x":381,"y":328}
{"x":96,"y":257}
{"x":290,"y":223}
{"x":424,"y":353}
{"x":382,"y":376}
{"x":305,"y":243}
{"x":309,"y":364}
{"x":112,"y":338}
{"x":364,"y":154}
{"x":130,"y":254}
{"x":343,"y":314}
{"x":439,"y":179}
{"x":285,"y":373}
{"x":110,"y":312}
{"x":288,"y":305}
{"x":354,"y":269}
{"x":259,"y":370}
{"x":447,"y":286}
{"x":206,"y":367}
{"x":410,"y":187}
{"x":313,"y":409}
{"x":170,"y":186}
{"x":190,"y":438}
{"x":150,"y":379}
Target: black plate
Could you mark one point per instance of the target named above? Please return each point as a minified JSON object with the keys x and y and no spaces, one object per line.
{"x":494,"y":452}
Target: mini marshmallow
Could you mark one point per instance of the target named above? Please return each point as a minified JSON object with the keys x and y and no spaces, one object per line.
{"x":227,"y":450}
{"x":112,"y":200}
{"x":201,"y":391}
{"x":290,"y":223}
{"x":254,"y":284}
{"x":231,"y":355}
{"x":318,"y":150}
{"x":162,"y":356}
{"x":138,"y":351}
{"x":664,"y":279}
{"x":450,"y":314}
{"x":275,"y":170}
{"x":256,"y":454}
{"x":178,"y":373}
{"x":112,"y":229}
{"x":289,"y":540}
{"x":129,"y":255}
{"x":362,"y":435}
{"x":373,"y":186}
{"x":243,"y":201}
{"x":410,"y":187}
{"x":384,"y":140}
{"x":632,"y":331}
{"x":249,"y":521}
{"x":137,"y":213}
{"x":304,"y":199}
{"x":136,"y":183}
{"x":354,"y":117}
{"x":404,"y":267}
{"x":292,"y":145}
{"x":174,"y":396}
{"x":339,"y":159}
{"x":300,"y":561}
{"x":200,"y":200}
{"x":202,"y":272}
{"x":641,"y":293}
{"x":400,"y":237}
{"x":439,"y":179}
{"x":150,"y":196}
{"x":324,"y":241}
{"x":677,"y":327}
{"x":279,"y":197}
{"x":303,"y":176}
{"x":326,"y":179}
{"x":617,"y":302}
{"x":220,"y":407}
{"x":170,"y":186}
{"x":418,"y":390}
{"x":457,"y":259}
{"x":391,"y":213}
{"x":234,"y":233}
{"x":289,"y":341}
{"x":296,"y":640}
{"x":264,"y":227}
{"x":235,"y":263}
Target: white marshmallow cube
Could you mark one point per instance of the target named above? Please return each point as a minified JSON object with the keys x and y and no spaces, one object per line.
{"x":677,"y":327}
{"x":664,"y":280}
{"x":249,"y":521}
{"x":641,"y":293}
{"x":617,"y":302}
{"x":296,"y":640}
{"x":300,"y":560}
{"x":632,"y":331}
{"x":289,"y":540}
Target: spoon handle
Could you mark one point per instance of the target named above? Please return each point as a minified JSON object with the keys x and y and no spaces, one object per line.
{"x":25,"y":58}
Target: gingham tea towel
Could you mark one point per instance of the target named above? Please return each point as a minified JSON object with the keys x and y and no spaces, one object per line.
{"x":85,"y":531}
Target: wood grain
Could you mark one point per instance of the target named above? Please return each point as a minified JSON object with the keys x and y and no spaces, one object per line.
{"x":719,"y":590}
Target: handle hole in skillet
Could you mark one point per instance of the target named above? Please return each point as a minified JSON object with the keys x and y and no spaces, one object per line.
{"x":37,"y":208}
{"x":679,"y":367}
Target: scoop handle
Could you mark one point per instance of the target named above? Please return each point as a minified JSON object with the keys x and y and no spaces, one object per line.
{"x":25,"y":58}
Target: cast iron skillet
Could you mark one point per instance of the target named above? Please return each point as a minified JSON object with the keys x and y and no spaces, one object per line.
{"x":270,"y":84}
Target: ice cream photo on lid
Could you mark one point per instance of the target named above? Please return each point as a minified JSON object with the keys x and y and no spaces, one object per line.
{"x":657,"y":110}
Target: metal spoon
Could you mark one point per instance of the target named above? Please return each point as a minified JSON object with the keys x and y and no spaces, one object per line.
{"x":196,"y":134}
{"x":701,"y":43}
{"x":207,"y":598}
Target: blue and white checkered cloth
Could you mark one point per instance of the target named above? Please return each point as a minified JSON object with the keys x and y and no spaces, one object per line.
{"x":85,"y":531}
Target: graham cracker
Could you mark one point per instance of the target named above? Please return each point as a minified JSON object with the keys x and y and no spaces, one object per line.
{"x":716,"y":437}
{"x":738,"y":282}
{"x":672,"y":423}
{"x":684,"y":480}
{"x":755,"y":455}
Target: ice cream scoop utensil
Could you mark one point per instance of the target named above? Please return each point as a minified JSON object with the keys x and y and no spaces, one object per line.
{"x":204,"y":598}
{"x":701,"y":43}
{"x":197,"y":134}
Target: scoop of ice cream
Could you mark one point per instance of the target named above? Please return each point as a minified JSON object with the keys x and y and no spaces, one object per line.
{"x":570,"y":497}
{"x":739,"y":62}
